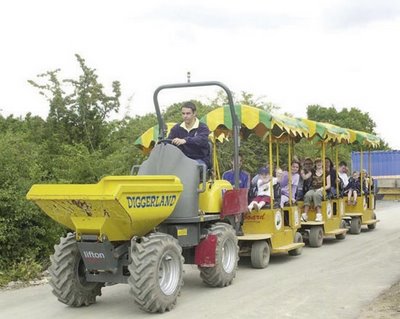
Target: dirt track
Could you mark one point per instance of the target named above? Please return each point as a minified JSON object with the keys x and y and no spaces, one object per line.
{"x":338,"y":280}
{"x":386,"y":306}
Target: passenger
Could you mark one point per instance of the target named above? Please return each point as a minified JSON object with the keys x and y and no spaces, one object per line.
{"x":305,"y":178}
{"x":278,"y":174}
{"x":342,"y":173}
{"x":244,"y":177}
{"x":257,"y":176}
{"x":367,"y":181}
{"x":354,"y":188}
{"x":315,"y":194}
{"x":263,"y":190}
{"x":329,"y":167}
{"x":285,"y":183}
{"x":191,"y":136}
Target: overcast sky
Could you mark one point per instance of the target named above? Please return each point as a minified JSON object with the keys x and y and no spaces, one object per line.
{"x":295,"y":53}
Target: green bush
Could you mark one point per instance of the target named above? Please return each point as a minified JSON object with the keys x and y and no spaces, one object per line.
{"x":25,"y":270}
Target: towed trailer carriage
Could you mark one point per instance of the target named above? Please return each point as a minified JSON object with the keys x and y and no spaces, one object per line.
{"x":272,"y":229}
{"x":332,"y":206}
{"x":363,"y":213}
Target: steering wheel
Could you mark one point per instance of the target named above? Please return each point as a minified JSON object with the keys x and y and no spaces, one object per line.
{"x":165,"y":141}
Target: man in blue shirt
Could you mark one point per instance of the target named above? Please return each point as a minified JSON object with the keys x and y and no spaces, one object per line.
{"x":191,"y":136}
{"x":244,"y":177}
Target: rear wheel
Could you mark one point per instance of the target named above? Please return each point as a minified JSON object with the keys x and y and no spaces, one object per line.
{"x":297,"y":239}
{"x":372,"y":226}
{"x":226,"y":257}
{"x":68,"y":278}
{"x":260,"y":254}
{"x":316,"y":236}
{"x":343,"y":226}
{"x":156,"y":272}
{"x":355,"y":225}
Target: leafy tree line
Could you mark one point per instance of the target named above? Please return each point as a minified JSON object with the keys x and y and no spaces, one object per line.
{"x":78,"y":143}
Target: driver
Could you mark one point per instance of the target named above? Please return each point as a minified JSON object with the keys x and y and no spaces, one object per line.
{"x":191,"y":136}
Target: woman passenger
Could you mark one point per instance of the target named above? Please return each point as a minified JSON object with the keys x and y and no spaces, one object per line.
{"x":329,"y":167}
{"x":285,"y":183}
{"x":315,"y":194}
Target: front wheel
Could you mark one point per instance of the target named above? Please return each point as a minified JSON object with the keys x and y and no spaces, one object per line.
{"x":355,"y":225}
{"x":156,"y":272}
{"x":372,"y":226}
{"x":343,"y":226}
{"x":316,"y":236}
{"x":226,"y":257}
{"x":68,"y":278}
{"x":260,"y":254}
{"x":297,"y":239}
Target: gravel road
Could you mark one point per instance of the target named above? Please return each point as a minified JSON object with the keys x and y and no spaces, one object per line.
{"x":338,"y":280}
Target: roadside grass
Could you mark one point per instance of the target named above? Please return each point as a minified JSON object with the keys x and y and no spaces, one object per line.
{"x":25,"y":270}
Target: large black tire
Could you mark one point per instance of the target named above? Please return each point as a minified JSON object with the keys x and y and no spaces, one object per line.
{"x":297,"y":239}
{"x":355,"y":225}
{"x":316,"y":236}
{"x":226,"y":257}
{"x":67,"y":273}
{"x":156,"y":272}
{"x":260,"y":254}
{"x":342,"y":225}
{"x":372,"y":226}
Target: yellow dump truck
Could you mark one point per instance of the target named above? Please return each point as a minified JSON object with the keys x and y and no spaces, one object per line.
{"x":141,"y":229}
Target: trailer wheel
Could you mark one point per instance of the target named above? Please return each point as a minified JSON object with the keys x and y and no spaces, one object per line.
{"x":355,"y":225}
{"x":260,"y":254}
{"x":316,"y":236}
{"x":372,"y":226}
{"x":226,"y":257}
{"x":297,"y":239}
{"x":341,"y":236}
{"x":67,"y":272}
{"x":156,"y":272}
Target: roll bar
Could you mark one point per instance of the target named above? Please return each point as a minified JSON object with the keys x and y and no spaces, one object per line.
{"x":235,"y":120}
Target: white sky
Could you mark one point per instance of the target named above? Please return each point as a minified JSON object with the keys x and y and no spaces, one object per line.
{"x":295,"y":53}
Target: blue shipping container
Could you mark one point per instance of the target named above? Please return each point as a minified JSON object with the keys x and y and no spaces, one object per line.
{"x":383,"y":163}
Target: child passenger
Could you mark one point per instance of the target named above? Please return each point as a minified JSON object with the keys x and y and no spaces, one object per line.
{"x":354,"y":188}
{"x":263,"y":189}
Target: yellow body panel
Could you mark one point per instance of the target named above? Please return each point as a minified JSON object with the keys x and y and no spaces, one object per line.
{"x":210,"y":201}
{"x":117,"y":206}
{"x":332,"y":211}
{"x":363,"y":208}
{"x":270,"y":221}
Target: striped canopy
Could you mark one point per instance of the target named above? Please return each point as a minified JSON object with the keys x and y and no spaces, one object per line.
{"x":147,"y":140}
{"x":364,"y":139}
{"x":327,"y":132}
{"x":286,"y":125}
{"x":254,"y":120}
{"x":261,"y":123}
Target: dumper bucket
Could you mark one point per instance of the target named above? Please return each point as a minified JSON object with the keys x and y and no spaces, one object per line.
{"x":119,"y":207}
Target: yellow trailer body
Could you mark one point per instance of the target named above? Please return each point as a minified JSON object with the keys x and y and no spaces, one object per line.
{"x":272,"y":222}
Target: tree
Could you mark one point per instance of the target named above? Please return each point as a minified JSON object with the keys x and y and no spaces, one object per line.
{"x":244,"y":98}
{"x":24,"y":230}
{"x":80,"y":116}
{"x":259,"y":102}
{"x":352,"y":119}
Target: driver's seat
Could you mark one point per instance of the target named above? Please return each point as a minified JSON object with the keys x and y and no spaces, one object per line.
{"x":166,"y":159}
